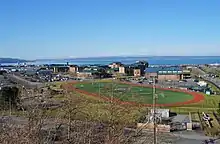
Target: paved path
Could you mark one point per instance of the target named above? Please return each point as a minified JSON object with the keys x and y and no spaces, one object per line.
{"x":23,"y":81}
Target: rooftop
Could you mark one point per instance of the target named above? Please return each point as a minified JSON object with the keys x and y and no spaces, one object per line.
{"x":131,"y":66}
{"x":116,"y":63}
{"x":157,"y":69}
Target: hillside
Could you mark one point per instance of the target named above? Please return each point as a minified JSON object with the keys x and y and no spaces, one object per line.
{"x":12,"y":60}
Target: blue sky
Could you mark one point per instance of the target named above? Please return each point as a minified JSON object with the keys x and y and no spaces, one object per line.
{"x":32,"y":29}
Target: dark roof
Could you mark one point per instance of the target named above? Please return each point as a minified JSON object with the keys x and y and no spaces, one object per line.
{"x":115,"y":63}
{"x":72,"y":65}
{"x":60,"y":66}
{"x":57,"y":65}
{"x":131,"y":66}
{"x":157,"y":69}
{"x":142,"y":62}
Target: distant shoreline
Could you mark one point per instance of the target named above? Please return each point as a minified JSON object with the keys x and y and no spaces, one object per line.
{"x":153,"y":60}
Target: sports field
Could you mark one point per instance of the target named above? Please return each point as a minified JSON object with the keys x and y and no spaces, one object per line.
{"x":126,"y":93}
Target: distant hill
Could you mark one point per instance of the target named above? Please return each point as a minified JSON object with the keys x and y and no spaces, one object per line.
{"x":13,"y":60}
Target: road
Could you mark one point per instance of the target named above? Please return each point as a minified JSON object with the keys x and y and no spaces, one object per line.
{"x":24,"y":82}
{"x":215,"y":81}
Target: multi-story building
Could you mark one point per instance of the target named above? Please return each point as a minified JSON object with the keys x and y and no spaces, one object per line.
{"x":126,"y":70}
{"x":58,"y":68}
{"x":186,"y":74}
{"x":164,"y":73}
{"x":73,"y":68}
{"x":115,"y":65}
{"x":94,"y":72}
{"x":137,"y":69}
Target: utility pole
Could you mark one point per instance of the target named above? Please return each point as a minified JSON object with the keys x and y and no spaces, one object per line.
{"x":10,"y":105}
{"x":99,"y":89}
{"x":112,"y":93}
{"x":99,"y":83}
{"x":154,"y":111}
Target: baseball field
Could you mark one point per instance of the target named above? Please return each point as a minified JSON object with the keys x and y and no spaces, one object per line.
{"x":136,"y":94}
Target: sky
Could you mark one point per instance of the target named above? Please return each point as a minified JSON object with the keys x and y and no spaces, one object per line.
{"x":35,"y":29}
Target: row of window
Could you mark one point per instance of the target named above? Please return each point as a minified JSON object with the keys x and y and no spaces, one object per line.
{"x":179,"y":72}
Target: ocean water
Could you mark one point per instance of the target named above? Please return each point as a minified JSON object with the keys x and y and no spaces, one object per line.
{"x":153,"y":60}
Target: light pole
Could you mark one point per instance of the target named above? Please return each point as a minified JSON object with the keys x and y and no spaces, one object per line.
{"x":154,"y":110}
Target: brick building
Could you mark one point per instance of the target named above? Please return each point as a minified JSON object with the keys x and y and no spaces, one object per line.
{"x":165,"y":73}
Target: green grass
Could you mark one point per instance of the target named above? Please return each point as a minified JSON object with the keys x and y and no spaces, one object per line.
{"x":137,"y":94}
{"x":209,"y":105}
{"x":210,"y":101}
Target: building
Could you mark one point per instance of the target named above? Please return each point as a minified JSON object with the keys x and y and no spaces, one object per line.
{"x":151,"y":72}
{"x":115,"y":65}
{"x":186,"y":74}
{"x":94,"y":72}
{"x":142,"y":65}
{"x":73,"y":68}
{"x":84,"y":74}
{"x":165,"y":73}
{"x":112,"y":71}
{"x":127,"y":70}
{"x":137,"y":69}
{"x":122,"y":70}
{"x":137,"y":72}
{"x":58,"y":68}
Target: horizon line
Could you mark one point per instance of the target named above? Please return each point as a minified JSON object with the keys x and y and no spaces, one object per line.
{"x":111,"y":56}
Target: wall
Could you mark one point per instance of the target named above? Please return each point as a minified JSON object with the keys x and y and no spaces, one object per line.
{"x":63,"y":69}
{"x":73,"y":69}
{"x":185,"y":76}
{"x":122,"y":70}
{"x":129,"y":71}
{"x":169,"y":77}
{"x":148,"y":75}
{"x":137,"y":72}
{"x":60,"y":69}
{"x":84,"y":75}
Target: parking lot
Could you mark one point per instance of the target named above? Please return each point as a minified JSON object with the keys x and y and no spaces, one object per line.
{"x":168,"y":83}
{"x":183,"y":84}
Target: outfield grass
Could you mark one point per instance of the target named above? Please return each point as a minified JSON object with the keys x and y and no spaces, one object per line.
{"x":210,"y":101}
{"x":125,"y":92}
